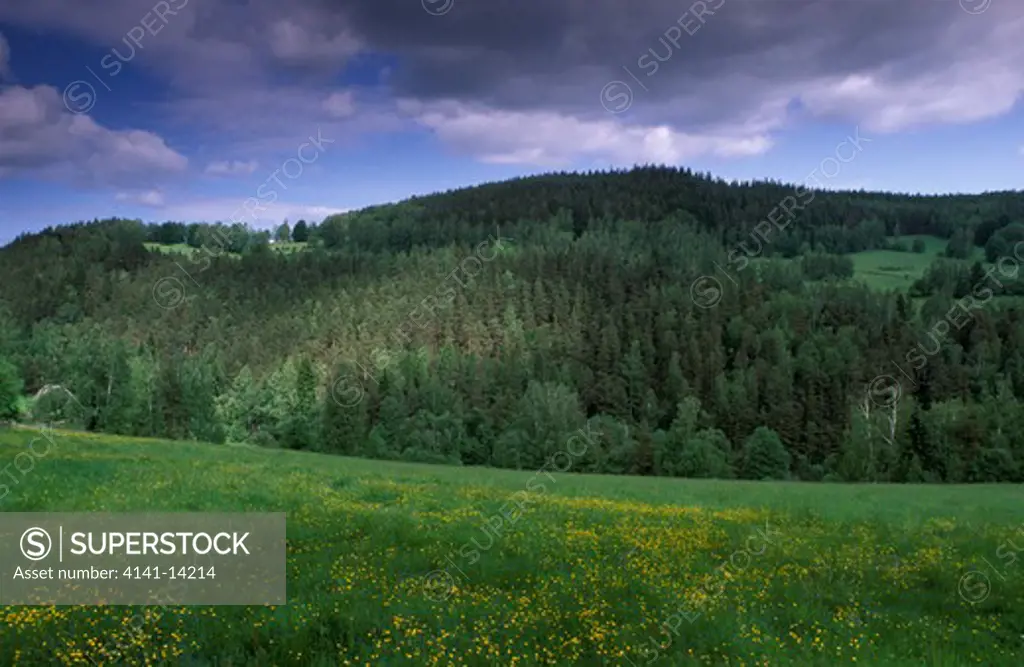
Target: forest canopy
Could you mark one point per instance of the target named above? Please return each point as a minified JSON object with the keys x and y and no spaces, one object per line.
{"x":484,"y":326}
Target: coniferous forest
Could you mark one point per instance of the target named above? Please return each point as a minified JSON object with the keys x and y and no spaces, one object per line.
{"x":696,"y":327}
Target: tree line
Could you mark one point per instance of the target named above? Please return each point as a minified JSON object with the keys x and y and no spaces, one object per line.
{"x":485,"y":326}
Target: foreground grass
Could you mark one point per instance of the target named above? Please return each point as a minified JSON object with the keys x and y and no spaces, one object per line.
{"x":595,"y":571}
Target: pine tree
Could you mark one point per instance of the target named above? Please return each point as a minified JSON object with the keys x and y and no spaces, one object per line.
{"x":236,"y":407}
{"x":345,"y":420}
{"x":11,"y":387}
{"x":299,"y":430}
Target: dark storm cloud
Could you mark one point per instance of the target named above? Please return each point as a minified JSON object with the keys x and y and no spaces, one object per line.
{"x":558,"y":53}
{"x":522,"y":80}
{"x":546,"y":54}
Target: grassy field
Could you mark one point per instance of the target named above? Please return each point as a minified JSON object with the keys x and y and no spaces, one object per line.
{"x":889,"y":269}
{"x":176,"y":249}
{"x":892,"y":270}
{"x":187,"y":250}
{"x":404,"y":564}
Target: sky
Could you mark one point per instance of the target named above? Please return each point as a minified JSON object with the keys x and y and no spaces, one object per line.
{"x":258,"y":111}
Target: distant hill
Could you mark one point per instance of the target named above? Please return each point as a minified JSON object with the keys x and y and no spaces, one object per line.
{"x":654,"y":194}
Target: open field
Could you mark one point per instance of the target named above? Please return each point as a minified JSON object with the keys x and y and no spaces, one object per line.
{"x":587,"y":570}
{"x":892,"y":270}
{"x":187,"y":250}
{"x":177,"y":248}
{"x":888,"y":269}
{"x":288,"y":246}
{"x":933,"y":245}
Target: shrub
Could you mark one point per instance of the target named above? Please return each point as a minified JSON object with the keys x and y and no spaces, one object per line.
{"x":12,"y":403}
{"x":705,"y":455}
{"x":764,"y":456}
{"x":995,"y":464}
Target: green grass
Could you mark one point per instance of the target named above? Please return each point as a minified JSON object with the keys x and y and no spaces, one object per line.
{"x":933,"y":245}
{"x":187,"y":250}
{"x":176,"y":249}
{"x":888,"y":269}
{"x":288,"y":246}
{"x":893,"y":270}
{"x":588,"y":573}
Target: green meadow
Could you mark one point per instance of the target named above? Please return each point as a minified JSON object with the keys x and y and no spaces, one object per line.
{"x":285,"y":247}
{"x":406,"y":564}
{"x":895,"y":270}
{"x":890,"y":269}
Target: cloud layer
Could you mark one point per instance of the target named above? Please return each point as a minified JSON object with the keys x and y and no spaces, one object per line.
{"x":535,"y":82}
{"x":39,"y":135}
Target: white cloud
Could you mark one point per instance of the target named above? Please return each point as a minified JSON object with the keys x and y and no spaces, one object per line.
{"x":298,"y":44}
{"x":982,"y":80}
{"x":959,"y":95}
{"x":551,"y":139}
{"x":235,"y":168}
{"x":340,"y":104}
{"x":317,"y":212}
{"x":151,"y":198}
{"x":38,"y":134}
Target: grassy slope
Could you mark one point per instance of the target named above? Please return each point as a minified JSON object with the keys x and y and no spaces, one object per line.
{"x":889,"y":269}
{"x":187,"y":250}
{"x":587,"y":575}
{"x":893,"y":270}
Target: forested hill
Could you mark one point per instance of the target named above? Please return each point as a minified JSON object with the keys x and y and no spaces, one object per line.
{"x":654,"y":194}
{"x":485,"y":326}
